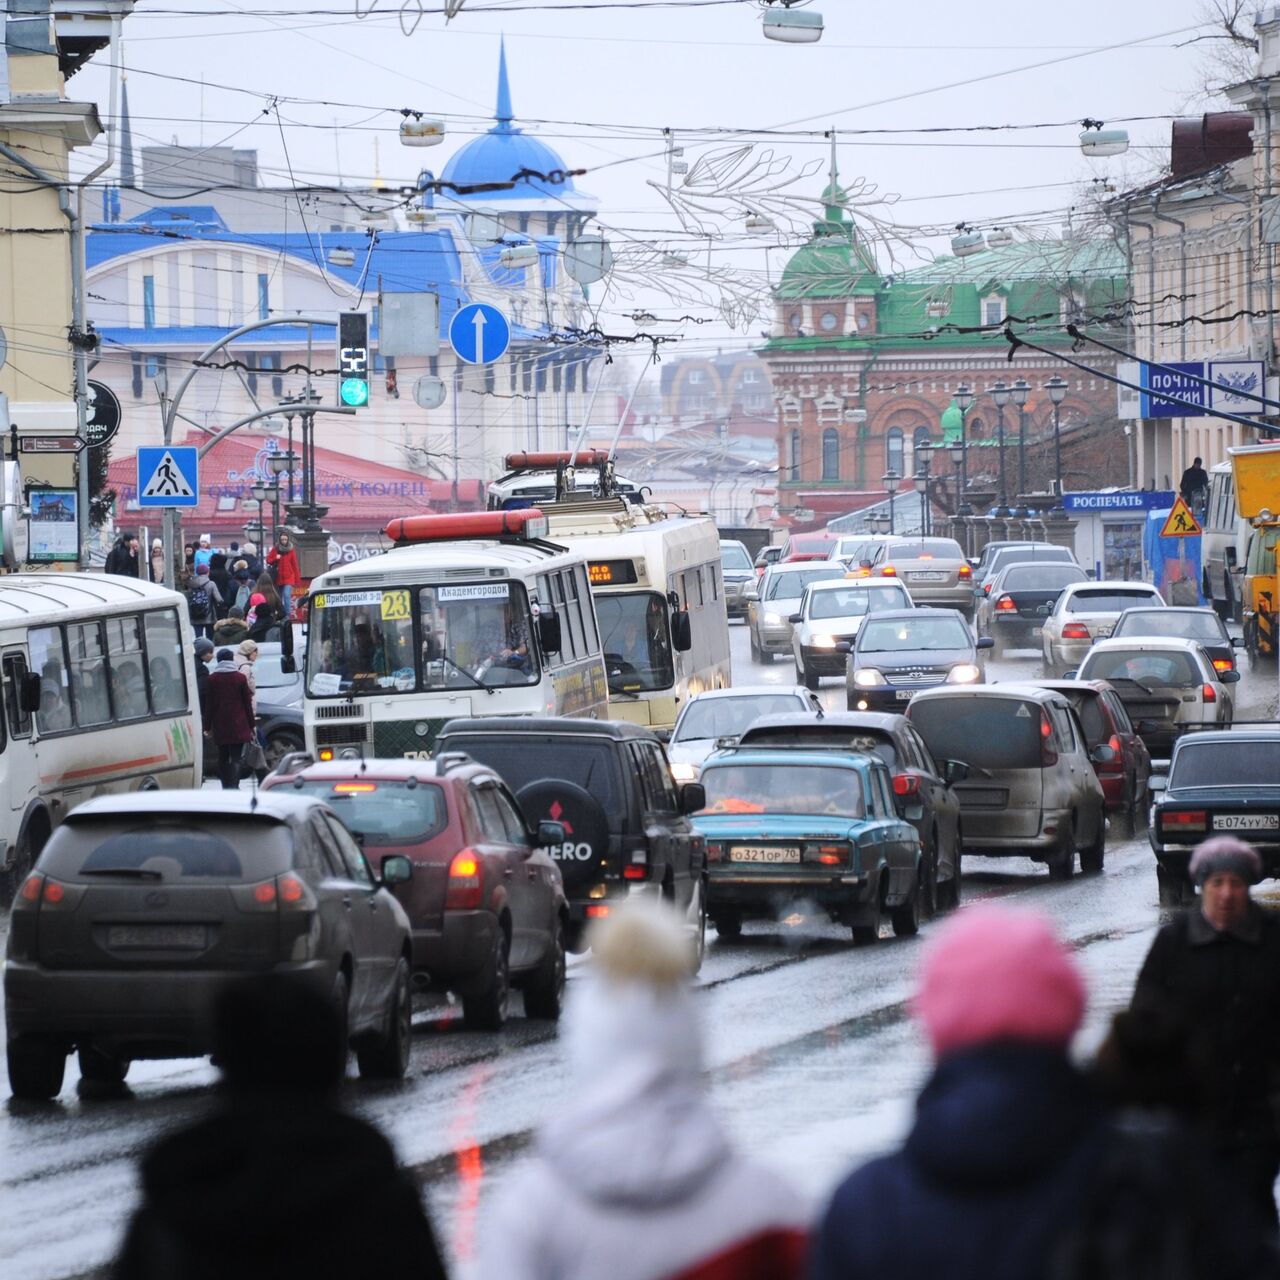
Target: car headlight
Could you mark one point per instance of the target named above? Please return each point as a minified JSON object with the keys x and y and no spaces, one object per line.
{"x":963,"y":673}
{"x":823,"y":641}
{"x":683,"y":771}
{"x":773,"y":619}
{"x":867,"y":678}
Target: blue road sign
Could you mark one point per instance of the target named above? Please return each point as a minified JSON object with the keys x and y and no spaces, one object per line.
{"x":479,"y":334}
{"x":168,"y":476}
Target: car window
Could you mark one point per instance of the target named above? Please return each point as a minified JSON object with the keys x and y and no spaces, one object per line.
{"x":658,"y":797}
{"x":820,"y":736}
{"x":382,"y":813}
{"x":733,"y":555}
{"x":327,"y":850}
{"x":1118,"y":713}
{"x":1108,"y":599}
{"x":924,"y":549}
{"x":790,"y":585}
{"x":1064,"y":730}
{"x":1042,"y":577}
{"x":1162,"y":669}
{"x":1093,"y":720}
{"x":517,"y":832}
{"x":352,"y":859}
{"x":898,"y":635}
{"x":886,"y":806}
{"x":705,"y":718}
{"x":1204,"y":627}
{"x":492,"y":823}
{"x":1226,"y":764}
{"x":918,"y":745}
{"x":1019,"y":555}
{"x":783,"y":788}
{"x":984,"y":732}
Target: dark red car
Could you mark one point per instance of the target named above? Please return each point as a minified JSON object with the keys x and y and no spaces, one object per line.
{"x":486,"y":902}
{"x":807,"y":546}
{"x":1106,"y":723}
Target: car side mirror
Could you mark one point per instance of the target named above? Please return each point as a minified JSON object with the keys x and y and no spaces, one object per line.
{"x":986,"y":642}
{"x":1045,"y":610}
{"x":288,"y":664}
{"x":1072,"y":674}
{"x":549,"y":834}
{"x":549,"y":632}
{"x":1157,"y":782}
{"x":751,"y":594}
{"x":1229,"y":677}
{"x":396,"y":869}
{"x":1102,"y":754}
{"x":843,"y":646}
{"x":954,"y":771}
{"x":693,"y":797}
{"x":795,"y":617}
{"x":1237,"y":642}
{"x":681,"y":632}
{"x":30,"y":695}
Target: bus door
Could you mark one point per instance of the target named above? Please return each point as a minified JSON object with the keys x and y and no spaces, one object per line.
{"x":19,"y":766}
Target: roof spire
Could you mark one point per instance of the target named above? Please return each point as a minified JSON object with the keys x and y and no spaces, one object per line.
{"x":128,"y":174}
{"x":503,"y":115}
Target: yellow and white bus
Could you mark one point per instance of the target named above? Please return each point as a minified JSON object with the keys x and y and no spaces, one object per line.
{"x":97,"y":681}
{"x":659,"y":596}
{"x":469,"y":615}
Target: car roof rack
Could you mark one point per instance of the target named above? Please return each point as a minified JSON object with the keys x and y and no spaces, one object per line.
{"x":294,"y":762}
{"x":447,"y":760}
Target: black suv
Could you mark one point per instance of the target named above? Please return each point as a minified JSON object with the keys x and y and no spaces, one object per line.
{"x":609,"y":784}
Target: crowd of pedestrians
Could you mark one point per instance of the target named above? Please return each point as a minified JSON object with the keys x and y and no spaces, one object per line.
{"x":1158,"y":1159}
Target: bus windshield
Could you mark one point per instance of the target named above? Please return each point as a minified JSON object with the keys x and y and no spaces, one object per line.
{"x":636,"y":640}
{"x":471,"y":634}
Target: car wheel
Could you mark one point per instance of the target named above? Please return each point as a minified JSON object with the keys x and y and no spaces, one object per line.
{"x":906,"y":918}
{"x":279,"y":743}
{"x":544,"y":991}
{"x":1063,"y":866}
{"x":1173,"y":887}
{"x":868,"y":932}
{"x":696,"y":922}
{"x":36,"y":1067}
{"x":387,"y":1057}
{"x":342,"y":1007}
{"x":487,"y":1011}
{"x":728,"y":925}
{"x":100,"y":1067}
{"x":755,"y":648}
{"x":1092,"y":858}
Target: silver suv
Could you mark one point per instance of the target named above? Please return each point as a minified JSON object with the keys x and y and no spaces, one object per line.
{"x":1031,"y":790}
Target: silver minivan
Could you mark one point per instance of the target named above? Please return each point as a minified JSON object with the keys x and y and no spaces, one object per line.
{"x":1031,"y":790}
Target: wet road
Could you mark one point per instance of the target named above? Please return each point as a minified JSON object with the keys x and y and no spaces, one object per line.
{"x":812,"y":1059}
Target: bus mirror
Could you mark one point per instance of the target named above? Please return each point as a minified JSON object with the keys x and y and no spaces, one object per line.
{"x":549,"y":632}
{"x":288,"y":664}
{"x":31,"y":693}
{"x":681,"y":632}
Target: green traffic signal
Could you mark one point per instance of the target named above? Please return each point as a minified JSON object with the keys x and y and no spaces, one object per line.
{"x":354,"y":392}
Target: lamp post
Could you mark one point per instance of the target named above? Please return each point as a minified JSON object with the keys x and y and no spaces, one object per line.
{"x":1057,"y":389}
{"x":1021,"y":390}
{"x":924,"y":456}
{"x":960,"y":452}
{"x":1000,"y":394}
{"x":264,"y":493}
{"x":890,"y":481}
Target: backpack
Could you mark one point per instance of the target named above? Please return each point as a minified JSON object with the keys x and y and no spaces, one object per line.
{"x":241,"y":601}
{"x":200,"y":604}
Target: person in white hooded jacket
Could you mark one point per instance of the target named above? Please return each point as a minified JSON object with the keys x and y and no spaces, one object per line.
{"x":636,"y":1179}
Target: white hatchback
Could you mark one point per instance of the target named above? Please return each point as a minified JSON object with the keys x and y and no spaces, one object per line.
{"x":1085,"y":612}
{"x":833,"y":611}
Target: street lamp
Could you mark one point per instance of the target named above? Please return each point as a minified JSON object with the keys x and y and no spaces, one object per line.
{"x":1000,"y":394}
{"x":1057,"y":389}
{"x":1021,"y":390}
{"x":264,"y":493}
{"x":890,"y":481}
{"x":960,"y":452}
{"x":924,"y":456}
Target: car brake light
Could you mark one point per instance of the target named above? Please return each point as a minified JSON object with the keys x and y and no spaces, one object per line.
{"x":1184,"y":820}
{"x":597,"y":911}
{"x":965,"y":571}
{"x":354,"y":788}
{"x":293,"y":893}
{"x":825,"y":855}
{"x":635,"y":871}
{"x":463,"y":893}
{"x":264,"y":894}
{"x":906,"y":784}
{"x":1210,"y":694}
{"x":1005,"y":604}
{"x":1048,"y":756}
{"x":715,"y":851}
{"x":986,"y":590}
{"x":888,"y":571}
{"x":29,"y":894}
{"x":1223,"y":664}
{"x":1075,"y":631}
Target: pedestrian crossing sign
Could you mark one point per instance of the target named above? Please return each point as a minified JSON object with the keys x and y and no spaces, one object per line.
{"x":1181,"y":523}
{"x":168,"y":476}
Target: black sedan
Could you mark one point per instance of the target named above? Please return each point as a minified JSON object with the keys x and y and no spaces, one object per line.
{"x":1020,"y":599}
{"x":898,"y":653}
{"x":1201,"y":625}
{"x":1226,"y":782}
{"x":922,"y":791}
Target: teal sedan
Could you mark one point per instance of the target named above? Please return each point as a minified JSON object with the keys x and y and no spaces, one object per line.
{"x":783,"y":825}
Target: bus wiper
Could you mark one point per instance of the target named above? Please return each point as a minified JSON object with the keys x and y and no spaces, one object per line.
{"x":479,"y":684}
{"x":134,"y":873}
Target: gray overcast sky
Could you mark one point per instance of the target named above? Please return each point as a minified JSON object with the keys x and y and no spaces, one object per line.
{"x":688,"y":68}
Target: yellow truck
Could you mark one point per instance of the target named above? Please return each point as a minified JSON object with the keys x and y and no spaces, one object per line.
{"x":1257,"y":483}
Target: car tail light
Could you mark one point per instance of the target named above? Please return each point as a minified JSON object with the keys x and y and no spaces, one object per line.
{"x":1209,"y":692}
{"x":597,"y":911}
{"x":888,"y":571}
{"x":825,"y":855}
{"x":1048,"y":756}
{"x":463,"y":893}
{"x":906,"y":784}
{"x":1223,"y":664}
{"x":1075,"y":631}
{"x":40,"y":892}
{"x":635,"y":871}
{"x":293,"y":894}
{"x":715,"y":851}
{"x":354,"y":788}
{"x":28,"y":896}
{"x":965,"y":572}
{"x":1005,"y":605}
{"x":1185,"y":820}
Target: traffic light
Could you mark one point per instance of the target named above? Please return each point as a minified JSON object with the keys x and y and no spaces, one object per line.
{"x":353,"y":358}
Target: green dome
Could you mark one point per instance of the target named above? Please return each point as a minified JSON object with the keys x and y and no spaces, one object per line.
{"x":835,"y":263}
{"x":952,"y":423}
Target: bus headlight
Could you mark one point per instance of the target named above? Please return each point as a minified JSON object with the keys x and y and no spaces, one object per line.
{"x":824,"y":641}
{"x":867,"y":678}
{"x":963,"y":673}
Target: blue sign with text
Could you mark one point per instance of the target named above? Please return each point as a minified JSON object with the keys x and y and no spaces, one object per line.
{"x":1126,"y":500}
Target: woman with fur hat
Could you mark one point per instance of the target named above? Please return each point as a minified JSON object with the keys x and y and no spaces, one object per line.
{"x":1216,"y":968}
{"x":635,"y":1179}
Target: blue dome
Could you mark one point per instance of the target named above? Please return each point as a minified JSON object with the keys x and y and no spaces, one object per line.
{"x":500,"y":154}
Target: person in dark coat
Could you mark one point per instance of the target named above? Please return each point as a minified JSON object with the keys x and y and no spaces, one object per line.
{"x":1217,"y":969}
{"x":221,"y":578}
{"x":123,"y":557}
{"x":230,"y":716}
{"x":278,"y":1183}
